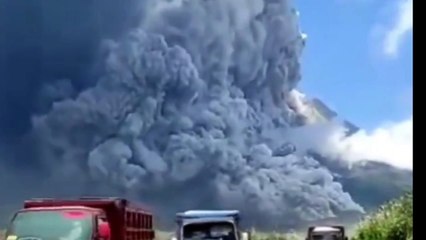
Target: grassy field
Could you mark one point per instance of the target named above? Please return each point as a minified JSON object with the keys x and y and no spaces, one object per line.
{"x":161,"y":235}
{"x":164,"y":235}
{"x":256,"y":235}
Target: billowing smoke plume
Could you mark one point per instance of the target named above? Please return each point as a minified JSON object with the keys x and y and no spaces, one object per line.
{"x":190,"y":109}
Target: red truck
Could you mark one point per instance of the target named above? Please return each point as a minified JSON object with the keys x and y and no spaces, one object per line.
{"x":81,"y":219}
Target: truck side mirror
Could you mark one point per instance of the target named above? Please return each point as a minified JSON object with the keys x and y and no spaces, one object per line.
{"x":245,"y":236}
{"x":104,"y":231}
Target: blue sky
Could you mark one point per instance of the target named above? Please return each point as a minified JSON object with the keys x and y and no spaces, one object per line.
{"x":358,"y":58}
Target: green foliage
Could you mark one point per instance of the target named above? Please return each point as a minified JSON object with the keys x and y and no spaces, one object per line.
{"x":393,"y":221}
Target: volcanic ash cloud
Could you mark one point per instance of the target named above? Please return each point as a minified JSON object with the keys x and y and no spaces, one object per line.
{"x":192,"y":109}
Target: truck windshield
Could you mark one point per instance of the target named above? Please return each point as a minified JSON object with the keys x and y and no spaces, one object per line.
{"x":326,"y":236}
{"x":210,"y":230}
{"x":52,"y":225}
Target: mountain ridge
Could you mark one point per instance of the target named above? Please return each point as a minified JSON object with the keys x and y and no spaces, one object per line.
{"x":370,"y":182}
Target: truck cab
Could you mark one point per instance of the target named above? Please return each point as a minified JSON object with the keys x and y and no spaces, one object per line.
{"x":80,"y":219}
{"x":209,"y":225}
{"x":326,"y":233}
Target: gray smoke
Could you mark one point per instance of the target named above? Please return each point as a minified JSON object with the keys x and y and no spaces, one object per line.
{"x":190,"y":110}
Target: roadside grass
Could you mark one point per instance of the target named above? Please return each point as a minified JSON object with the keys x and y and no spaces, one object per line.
{"x":164,"y":235}
{"x":393,"y":221}
{"x":276,"y":236}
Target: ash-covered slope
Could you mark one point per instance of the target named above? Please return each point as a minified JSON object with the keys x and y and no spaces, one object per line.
{"x":370,"y":182}
{"x":329,"y":115}
{"x":187,"y":107}
{"x":373,"y":183}
{"x":316,"y":111}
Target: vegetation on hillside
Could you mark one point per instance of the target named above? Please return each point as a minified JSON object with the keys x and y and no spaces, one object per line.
{"x":393,"y":221}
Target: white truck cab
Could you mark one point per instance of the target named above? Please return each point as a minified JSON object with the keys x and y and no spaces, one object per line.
{"x":326,"y":233}
{"x":209,"y":225}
